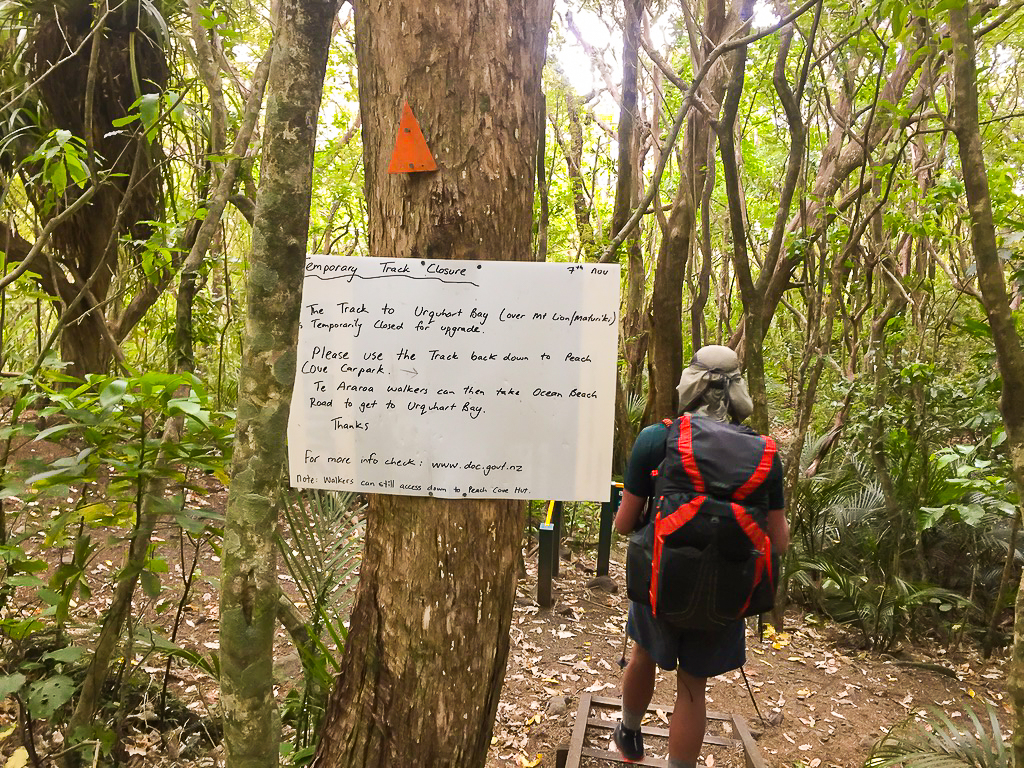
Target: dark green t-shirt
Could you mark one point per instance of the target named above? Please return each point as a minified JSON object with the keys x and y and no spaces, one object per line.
{"x":649,"y":450}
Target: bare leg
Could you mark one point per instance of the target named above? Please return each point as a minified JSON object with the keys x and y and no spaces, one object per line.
{"x":689,"y":718}
{"x":637,"y":686}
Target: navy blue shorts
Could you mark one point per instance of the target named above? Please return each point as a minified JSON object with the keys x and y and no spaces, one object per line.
{"x":697,"y":652}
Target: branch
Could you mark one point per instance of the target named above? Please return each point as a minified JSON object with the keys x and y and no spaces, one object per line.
{"x":190,"y":268}
{"x":51,"y":225}
{"x":677,"y":124}
{"x":245,"y":206}
{"x":35,"y":83}
{"x":206,"y":63}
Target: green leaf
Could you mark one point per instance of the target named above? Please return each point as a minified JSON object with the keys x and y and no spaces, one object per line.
{"x":58,"y":177}
{"x":78,"y":172}
{"x":975,"y":328}
{"x":149,"y":108}
{"x":120,"y":122}
{"x":26,"y":581}
{"x":189,"y":407}
{"x":972,"y":514}
{"x":58,"y":429}
{"x":71,"y":653}
{"x":929,"y":517}
{"x":19,"y":629}
{"x":897,"y":13}
{"x":10,"y":684}
{"x":113,"y":392}
{"x":37,"y":478}
{"x":150,"y":583}
{"x":97,"y":513}
{"x":47,"y":696}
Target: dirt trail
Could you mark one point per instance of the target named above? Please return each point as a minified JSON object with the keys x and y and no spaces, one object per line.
{"x":824,"y":702}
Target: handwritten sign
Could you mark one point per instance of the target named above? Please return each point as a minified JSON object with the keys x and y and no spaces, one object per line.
{"x":456,"y":379}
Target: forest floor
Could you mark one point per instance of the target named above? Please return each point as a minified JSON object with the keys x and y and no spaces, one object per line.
{"x":824,"y":702}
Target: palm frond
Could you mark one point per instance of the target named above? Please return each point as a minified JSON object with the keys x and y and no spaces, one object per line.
{"x":938,"y":742}
{"x":321,"y":549}
{"x":636,"y":405}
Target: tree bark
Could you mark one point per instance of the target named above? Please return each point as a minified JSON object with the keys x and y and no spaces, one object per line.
{"x":666,"y":352}
{"x":425,"y":659}
{"x":991,"y":280}
{"x":634,"y":328}
{"x":753,"y":358}
{"x":249,"y":590}
{"x":573,"y":151}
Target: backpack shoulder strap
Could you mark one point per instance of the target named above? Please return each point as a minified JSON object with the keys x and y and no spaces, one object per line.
{"x":686,"y":455}
{"x":668,"y":424}
{"x":760,"y":473}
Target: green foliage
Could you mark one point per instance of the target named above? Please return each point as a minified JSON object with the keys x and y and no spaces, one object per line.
{"x":938,"y":742}
{"x":106,"y":434}
{"x":884,"y":611}
{"x":61,"y":161}
{"x":321,"y":546}
{"x":42,"y":683}
{"x":114,"y":424}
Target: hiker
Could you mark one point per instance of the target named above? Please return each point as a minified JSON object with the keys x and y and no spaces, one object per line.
{"x":711,"y":388}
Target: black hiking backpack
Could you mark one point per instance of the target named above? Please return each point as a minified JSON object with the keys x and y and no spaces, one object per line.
{"x":705,"y":559}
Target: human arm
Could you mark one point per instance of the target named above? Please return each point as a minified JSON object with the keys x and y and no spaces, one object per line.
{"x":778,"y":530}
{"x":638,"y":483}
{"x":630,"y":509}
{"x":776,"y":524}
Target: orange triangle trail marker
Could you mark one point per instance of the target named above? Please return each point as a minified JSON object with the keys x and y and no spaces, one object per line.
{"x":411,"y":153}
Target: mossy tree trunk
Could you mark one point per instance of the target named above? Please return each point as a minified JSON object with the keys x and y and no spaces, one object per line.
{"x":425,"y":658}
{"x":249,"y":590}
{"x":991,"y":280}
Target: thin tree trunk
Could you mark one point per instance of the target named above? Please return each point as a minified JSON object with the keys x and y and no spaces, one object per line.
{"x":1009,"y":350}
{"x":249,"y":588}
{"x":425,"y":659}
{"x":183,"y":342}
{"x":666,"y":354}
{"x":752,"y":301}
{"x":120,"y":604}
{"x":540,"y":252}
{"x":573,"y":152}
{"x":634,"y":330}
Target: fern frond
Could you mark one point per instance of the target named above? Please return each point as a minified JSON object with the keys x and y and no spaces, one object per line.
{"x":938,"y":742}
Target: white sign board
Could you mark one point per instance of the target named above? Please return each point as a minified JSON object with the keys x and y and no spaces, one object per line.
{"x":457,"y":379}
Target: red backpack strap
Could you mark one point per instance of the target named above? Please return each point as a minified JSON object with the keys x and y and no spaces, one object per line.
{"x":686,"y":453}
{"x":667,"y":423}
{"x":760,"y":473}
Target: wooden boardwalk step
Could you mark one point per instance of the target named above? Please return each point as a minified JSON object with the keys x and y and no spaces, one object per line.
{"x":588,"y":725}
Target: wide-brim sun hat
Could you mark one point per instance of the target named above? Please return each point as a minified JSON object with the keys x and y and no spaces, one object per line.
{"x":710,"y":364}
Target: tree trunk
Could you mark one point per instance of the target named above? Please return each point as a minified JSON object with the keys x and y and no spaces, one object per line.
{"x":1009,"y":352}
{"x":753,"y":358}
{"x":425,"y":659}
{"x":677,"y":233}
{"x":634,"y":328}
{"x":573,"y":151}
{"x":249,"y":590}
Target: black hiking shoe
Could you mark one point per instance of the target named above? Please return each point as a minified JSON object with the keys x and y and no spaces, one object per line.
{"x":630,"y":743}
